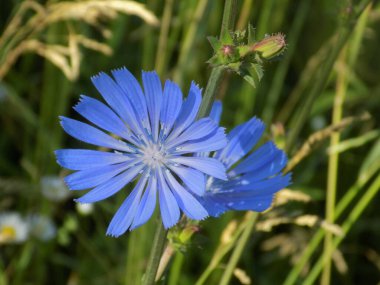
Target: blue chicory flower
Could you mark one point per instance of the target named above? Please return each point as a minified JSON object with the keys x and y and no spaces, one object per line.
{"x":253,"y":177}
{"x":158,"y":135}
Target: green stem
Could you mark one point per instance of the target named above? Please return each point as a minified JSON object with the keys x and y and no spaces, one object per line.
{"x":189,"y":41}
{"x":210,"y":92}
{"x":155,"y":255}
{"x":222,"y":250}
{"x":332,"y":174}
{"x":353,"y":191}
{"x":236,"y":254}
{"x":343,"y":34}
{"x":279,"y":77}
{"x":354,"y":215}
{"x":161,"y":54}
{"x":228,"y":23}
{"x":176,"y":269}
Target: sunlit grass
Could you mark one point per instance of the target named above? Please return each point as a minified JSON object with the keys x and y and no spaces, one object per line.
{"x":49,"y":51}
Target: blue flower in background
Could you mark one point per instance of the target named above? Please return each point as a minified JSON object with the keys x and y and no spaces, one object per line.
{"x":254,"y":177}
{"x":157,"y":139}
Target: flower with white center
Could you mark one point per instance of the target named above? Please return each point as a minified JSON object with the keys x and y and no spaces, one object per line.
{"x":13,"y":228}
{"x":158,"y":139}
{"x":254,"y":177}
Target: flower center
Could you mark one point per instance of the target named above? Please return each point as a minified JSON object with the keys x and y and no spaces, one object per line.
{"x":153,"y":156}
{"x":7,"y":233}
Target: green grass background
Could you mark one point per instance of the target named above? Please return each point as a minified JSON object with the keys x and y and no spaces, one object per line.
{"x":293,"y":99}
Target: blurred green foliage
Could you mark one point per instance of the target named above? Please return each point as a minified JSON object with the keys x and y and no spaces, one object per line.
{"x":34,"y":92}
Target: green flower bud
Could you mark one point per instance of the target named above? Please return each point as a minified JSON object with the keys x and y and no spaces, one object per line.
{"x":270,"y":46}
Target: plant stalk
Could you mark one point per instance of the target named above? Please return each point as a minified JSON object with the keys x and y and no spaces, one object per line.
{"x":236,"y":254}
{"x":155,"y":255}
{"x":228,"y":23}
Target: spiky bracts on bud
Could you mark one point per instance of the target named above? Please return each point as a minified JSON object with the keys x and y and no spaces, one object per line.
{"x":240,"y":52}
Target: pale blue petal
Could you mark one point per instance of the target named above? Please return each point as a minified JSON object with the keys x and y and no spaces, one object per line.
{"x":102,"y":116}
{"x":168,"y":205}
{"x":198,"y":130}
{"x":241,"y":141}
{"x":258,"y":204}
{"x":112,"y":186}
{"x":264,"y":154}
{"x":80,"y":159}
{"x":216,"y":111}
{"x":207,"y":165}
{"x":153,"y":93}
{"x":260,"y":188}
{"x":131,"y":87}
{"x":215,"y":141}
{"x":117,"y":100}
{"x":269,"y":169}
{"x":92,"y":177}
{"x":236,"y":203}
{"x":171,"y":106}
{"x":193,"y":179}
{"x":188,"y":204}
{"x":213,"y":207}
{"x":188,"y":112}
{"x":147,"y":204}
{"x":91,"y":135}
{"x":124,"y":216}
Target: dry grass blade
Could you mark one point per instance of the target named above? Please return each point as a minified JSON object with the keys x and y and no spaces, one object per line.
{"x":92,"y":11}
{"x":303,"y":220}
{"x":94,"y":45}
{"x":287,"y":195}
{"x":319,"y":136}
{"x":242,"y":276}
{"x":17,"y":19}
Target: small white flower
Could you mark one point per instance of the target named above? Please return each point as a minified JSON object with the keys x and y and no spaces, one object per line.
{"x":42,"y":227}
{"x":85,"y":209}
{"x":13,"y":228}
{"x":54,"y":189}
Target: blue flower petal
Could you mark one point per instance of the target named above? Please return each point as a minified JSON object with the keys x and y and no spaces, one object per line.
{"x":188,"y":204}
{"x":171,"y":106}
{"x":127,"y":211}
{"x":264,"y":154}
{"x":102,"y":116}
{"x":269,"y":169}
{"x":117,"y":100}
{"x":168,"y":205}
{"x":188,"y":112}
{"x":91,"y":135}
{"x":260,"y":188}
{"x":80,"y":159}
{"x":92,"y":177}
{"x":214,"y":141}
{"x":193,"y":179}
{"x":249,"y":203}
{"x":241,"y":141}
{"x":131,"y":87}
{"x":147,"y":204}
{"x":216,"y":111}
{"x":112,"y":186}
{"x":207,"y":165}
{"x":213,"y":206}
{"x":153,"y":93}
{"x":200,"y":129}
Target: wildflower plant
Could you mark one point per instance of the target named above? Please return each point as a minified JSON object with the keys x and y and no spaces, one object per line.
{"x":157,"y":136}
{"x":253,"y":176}
{"x":13,"y":228}
{"x":241,"y":53}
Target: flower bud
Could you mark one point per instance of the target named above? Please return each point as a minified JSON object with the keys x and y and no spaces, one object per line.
{"x":270,"y":46}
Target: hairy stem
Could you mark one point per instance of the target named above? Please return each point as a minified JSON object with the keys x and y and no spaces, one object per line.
{"x":155,"y":255}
